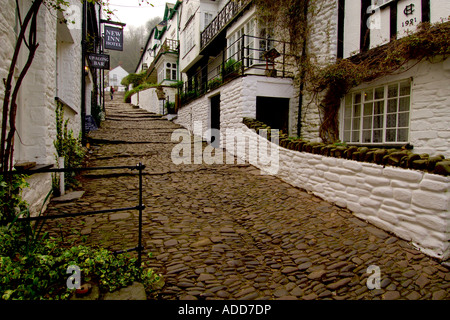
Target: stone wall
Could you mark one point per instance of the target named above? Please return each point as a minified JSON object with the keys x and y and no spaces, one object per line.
{"x":412,"y":204}
{"x":148,"y":100}
{"x":237,"y":101}
{"x":36,"y":120}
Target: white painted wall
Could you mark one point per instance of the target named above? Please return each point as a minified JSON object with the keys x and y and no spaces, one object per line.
{"x":55,"y":71}
{"x":148,"y":100}
{"x":119,"y":73}
{"x":430,"y":106}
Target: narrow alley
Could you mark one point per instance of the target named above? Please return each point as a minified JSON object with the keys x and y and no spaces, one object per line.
{"x":228,"y":232}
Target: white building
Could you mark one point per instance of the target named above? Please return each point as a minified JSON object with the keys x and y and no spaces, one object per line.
{"x":408,"y":107}
{"x":160,"y":61}
{"x":115,"y":78}
{"x":55,"y":75}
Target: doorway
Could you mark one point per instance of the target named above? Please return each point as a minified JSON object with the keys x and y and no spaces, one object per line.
{"x":274,"y":112}
{"x":215,"y":120}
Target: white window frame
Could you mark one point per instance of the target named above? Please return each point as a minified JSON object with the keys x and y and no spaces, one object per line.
{"x":367,"y":114}
{"x":234,"y":43}
{"x":171,"y":70}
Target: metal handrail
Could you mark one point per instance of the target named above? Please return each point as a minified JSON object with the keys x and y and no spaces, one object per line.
{"x":140,"y":207}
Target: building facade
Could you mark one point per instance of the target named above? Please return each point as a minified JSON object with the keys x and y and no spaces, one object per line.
{"x":55,"y":76}
{"x":160,"y":62}
{"x":115,"y":77}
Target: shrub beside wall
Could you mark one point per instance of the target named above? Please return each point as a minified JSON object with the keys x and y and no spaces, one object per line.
{"x":397,"y":157}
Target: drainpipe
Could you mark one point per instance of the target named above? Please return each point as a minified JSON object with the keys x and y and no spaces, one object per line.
{"x":303,"y":73}
{"x":83,"y":77}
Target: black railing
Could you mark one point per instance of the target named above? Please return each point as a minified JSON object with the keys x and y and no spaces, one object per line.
{"x":139,"y":207}
{"x":248,"y":55}
{"x":223,"y":18}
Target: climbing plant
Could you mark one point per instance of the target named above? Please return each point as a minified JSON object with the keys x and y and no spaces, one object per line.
{"x":430,"y":43}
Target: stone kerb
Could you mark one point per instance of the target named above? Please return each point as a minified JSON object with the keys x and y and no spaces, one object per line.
{"x":412,"y":204}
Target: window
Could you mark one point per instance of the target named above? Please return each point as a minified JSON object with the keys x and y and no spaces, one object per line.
{"x":171,"y":71}
{"x":378,"y":115}
{"x":235,"y":42}
{"x":188,"y":39}
{"x":207,"y":18}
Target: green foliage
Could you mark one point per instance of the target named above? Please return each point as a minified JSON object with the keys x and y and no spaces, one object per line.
{"x":11,"y":202}
{"x":430,"y":42}
{"x":140,"y":87}
{"x":134,"y":79}
{"x":214,"y":83}
{"x":67,"y":146}
{"x":97,"y":112}
{"x":42,"y":273}
{"x":232,"y":66}
{"x":170,"y":107}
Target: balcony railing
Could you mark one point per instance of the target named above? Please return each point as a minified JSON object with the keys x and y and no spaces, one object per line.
{"x":222,"y":19}
{"x":248,"y":55}
{"x":168,"y":46}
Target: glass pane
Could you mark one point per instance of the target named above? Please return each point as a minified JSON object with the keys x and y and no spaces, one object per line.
{"x":392,"y":106}
{"x":347,"y":123}
{"x":390,"y":135}
{"x":378,"y":122}
{"x":174,"y":65}
{"x":404,"y":104}
{"x":174,"y":75}
{"x":403,"y":119}
{"x":405,"y":88}
{"x":348,"y":100}
{"x":356,"y":123}
{"x":391,"y":120}
{"x":168,"y":65}
{"x":377,"y":136}
{"x":357,"y":98}
{"x":167,"y":73}
{"x":368,"y":109}
{"x":357,"y":110}
{"x":367,"y":136}
{"x":402,"y":135}
{"x":368,"y":95}
{"x":379,"y":107}
{"x":393,"y":91}
{"x":348,"y":112}
{"x":379,"y":93}
{"x":347,"y":136}
{"x":355,"y":136}
{"x":367,"y":123}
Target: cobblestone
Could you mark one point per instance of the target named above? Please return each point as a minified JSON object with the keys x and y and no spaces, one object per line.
{"x":227,"y":232}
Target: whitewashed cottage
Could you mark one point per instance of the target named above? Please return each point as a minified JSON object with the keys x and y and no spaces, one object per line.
{"x":56,"y":74}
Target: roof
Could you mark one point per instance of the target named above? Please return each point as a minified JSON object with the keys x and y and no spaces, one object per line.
{"x":160,"y":28}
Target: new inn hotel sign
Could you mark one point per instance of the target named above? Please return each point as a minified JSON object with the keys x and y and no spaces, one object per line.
{"x":113,"y":38}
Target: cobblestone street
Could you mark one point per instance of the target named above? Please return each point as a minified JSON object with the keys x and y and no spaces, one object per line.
{"x":228,"y":232}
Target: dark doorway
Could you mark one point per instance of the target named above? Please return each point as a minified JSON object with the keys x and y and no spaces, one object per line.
{"x":215,"y":120}
{"x":274,"y":112}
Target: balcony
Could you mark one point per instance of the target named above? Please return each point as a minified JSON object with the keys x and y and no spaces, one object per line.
{"x":223,"y":18}
{"x":169,"y":46}
{"x":248,"y":55}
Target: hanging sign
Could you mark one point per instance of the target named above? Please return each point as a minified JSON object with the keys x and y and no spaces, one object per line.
{"x":113,"y":38}
{"x":98,"y":61}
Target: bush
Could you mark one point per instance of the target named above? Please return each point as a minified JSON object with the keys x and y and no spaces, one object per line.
{"x":42,"y":273}
{"x":67,"y":146}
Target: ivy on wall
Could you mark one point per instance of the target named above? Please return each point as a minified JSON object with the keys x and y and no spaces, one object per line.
{"x":430,"y":43}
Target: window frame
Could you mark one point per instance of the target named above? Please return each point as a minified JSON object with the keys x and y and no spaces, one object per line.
{"x":346,"y":135}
